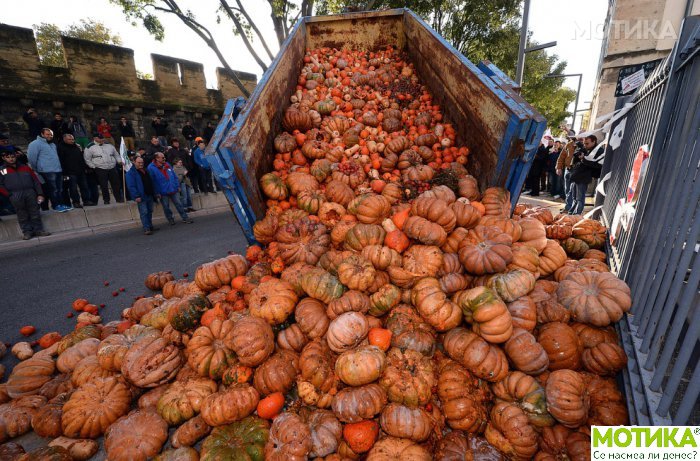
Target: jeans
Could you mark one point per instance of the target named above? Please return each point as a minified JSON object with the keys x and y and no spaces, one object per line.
{"x":567,"y":190}
{"x":578,"y":191}
{"x":185,"y":196}
{"x":92,"y":186}
{"x":165,"y":200}
{"x":53,"y":186}
{"x":146,"y":212}
{"x":27,"y":209}
{"x":205,"y":180}
{"x":76,"y":182}
{"x":112,"y":176}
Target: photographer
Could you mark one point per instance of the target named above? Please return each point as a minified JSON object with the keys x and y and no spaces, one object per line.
{"x":563,"y":169}
{"x":588,"y":161}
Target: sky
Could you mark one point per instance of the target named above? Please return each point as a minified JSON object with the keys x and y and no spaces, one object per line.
{"x":576,"y":25}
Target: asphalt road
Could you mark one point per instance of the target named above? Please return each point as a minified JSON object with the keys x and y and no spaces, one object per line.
{"x":38,"y":284}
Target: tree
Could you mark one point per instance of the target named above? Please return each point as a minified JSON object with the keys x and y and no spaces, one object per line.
{"x":484,"y":30}
{"x":48,"y":39}
{"x":283,"y":14}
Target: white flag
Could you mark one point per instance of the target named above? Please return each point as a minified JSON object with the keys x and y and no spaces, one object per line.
{"x":125,"y":158}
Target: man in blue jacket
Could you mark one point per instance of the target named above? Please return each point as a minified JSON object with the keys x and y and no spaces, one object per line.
{"x":43,"y":158}
{"x":205,"y":179}
{"x":166,"y":187}
{"x":141,"y":190}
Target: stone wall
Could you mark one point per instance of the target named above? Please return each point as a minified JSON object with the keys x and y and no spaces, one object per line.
{"x":100,"y":81}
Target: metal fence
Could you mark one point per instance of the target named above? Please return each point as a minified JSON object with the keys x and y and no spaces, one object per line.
{"x":656,"y":252}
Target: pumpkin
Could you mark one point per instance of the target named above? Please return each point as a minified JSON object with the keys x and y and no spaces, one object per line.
{"x":592,"y":232}
{"x":591,"y":336}
{"x":293,"y":273}
{"x":464,"y":398}
{"x":294,"y":119}
{"x":562,"y":346}
{"x":11,"y":451}
{"x":59,"y":384}
{"x":150,"y":398}
{"x":273,"y":301}
{"x":525,"y":392}
{"x":370,"y":208}
{"x":76,"y":336}
{"x":244,"y":439}
{"x":29,"y":376}
{"x":597,"y":298}
{"x":604,"y":359}
{"x":350,"y":301}
{"x":360,"y":366}
{"x":484,"y":360}
{"x":558,"y":231}
{"x":284,"y":142}
{"x":151,"y":361}
{"x":552,"y":258}
{"x":321,"y":285}
{"x":356,"y":272}
{"x":533,"y":234}
{"x":361,"y":436}
{"x":408,"y":377}
{"x":178,"y":454}
{"x":157,"y":280}
{"x":252,"y":340}
{"x":526,"y":353}
{"x":466,"y":216}
{"x":183,"y":400}
{"x":78,"y":449}
{"x":486,"y":312}
{"x":523,"y":313}
{"x":485,"y":250}
{"x":229,"y":405}
{"x":435,"y":210}
{"x":607,"y":404}
{"x":310,"y":201}
{"x":190,"y":432}
{"x":382,"y":257}
{"x":112,"y":349}
{"x":513,"y":284}
{"x":596,"y":254}
{"x":346,"y":331}
{"x":574,"y":247}
{"x":384,"y":299}
{"x":316,"y":379}
{"x":49,"y":339}
{"x":87,"y":369}
{"x":137,"y":436}
{"x":292,"y":338}
{"x":302,"y":241}
{"x":143,"y":306}
{"x":424,"y":231}
{"x":16,"y":415}
{"x":48,"y":453}
{"x":212,"y":275}
{"x":525,"y":257}
{"x":290,"y":439}
{"x":353,"y":404}
{"x":506,"y":225}
{"x":434,"y":306}
{"x":510,"y":432}
{"x":409,"y":331}
{"x":457,"y":446}
{"x":326,"y":432}
{"x":496,"y":201}
{"x":451,"y":245}
{"x":567,"y":398}
{"x":175,"y":288}
{"x":408,"y":423}
{"x":364,"y":235}
{"x":391,"y":448}
{"x":469,"y":188}
{"x":277,"y":374}
{"x":393,"y":192}
{"x":339,"y":192}
{"x":539,"y":213}
{"x":185,"y":314}
{"x":582,"y":265}
{"x":264,"y":230}
{"x":94,"y":406}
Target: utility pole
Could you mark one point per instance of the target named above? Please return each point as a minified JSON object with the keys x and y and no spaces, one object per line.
{"x":523,"y":42}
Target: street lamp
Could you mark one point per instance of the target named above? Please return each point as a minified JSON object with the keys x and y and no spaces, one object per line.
{"x":580,"y":76}
{"x":520,"y":67}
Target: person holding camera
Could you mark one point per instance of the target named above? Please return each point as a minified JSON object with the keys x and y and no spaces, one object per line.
{"x":590,"y":162}
{"x":563,"y":170}
{"x":34,"y":123}
{"x":160,"y":127}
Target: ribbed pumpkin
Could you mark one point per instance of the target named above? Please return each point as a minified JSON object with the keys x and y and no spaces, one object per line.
{"x":484,"y":360}
{"x":590,"y":231}
{"x":157,"y":280}
{"x":353,"y":404}
{"x":277,"y":374}
{"x":562,"y":346}
{"x":407,"y":423}
{"x":435,"y":210}
{"x":273,"y":301}
{"x":302,"y":240}
{"x":523,"y":312}
{"x":526,"y":354}
{"x":370,"y":208}
{"x":408,"y":378}
{"x":94,"y":406}
{"x":229,"y":405}
{"x":183,"y":400}
{"x":356,"y":272}
{"x":184,"y":315}
{"x":567,"y":398}
{"x":485,"y":250}
{"x":598,"y":298}
{"x":363,"y":235}
{"x":410,"y":331}
{"x":552,"y":258}
{"x":274,"y":187}
{"x":464,"y":397}
{"x":244,"y":439}
{"x":510,"y":432}
{"x":387,"y":297}
{"x":434,"y":306}
{"x":212,"y":275}
{"x":533,"y":234}
{"x":360,"y":366}
{"x":252,"y":340}
{"x":28,"y":376}
{"x":574,"y":247}
{"x":310,"y":315}
{"x":466,"y":215}
{"x":321,"y":285}
{"x":486,"y":312}
{"x":209,"y":351}
{"x":513,"y":284}
{"x":524,"y":391}
{"x":290,"y":438}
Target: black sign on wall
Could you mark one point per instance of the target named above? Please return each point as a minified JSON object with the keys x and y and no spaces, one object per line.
{"x":628,"y":71}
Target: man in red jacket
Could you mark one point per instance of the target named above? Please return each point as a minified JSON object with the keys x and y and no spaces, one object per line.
{"x":22,"y":186}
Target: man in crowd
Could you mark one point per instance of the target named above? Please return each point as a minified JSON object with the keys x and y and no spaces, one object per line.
{"x":21,"y":185}
{"x":160,"y":127}
{"x":166,"y":188}
{"x":153,"y":148}
{"x":140,"y":186}
{"x":205,"y":179}
{"x":58,"y":126}
{"x":73,"y":166}
{"x":555,"y":186}
{"x":77,"y":129}
{"x":189,"y":133}
{"x":564,"y":163}
{"x":34,"y":123}
{"x":126,"y":131}
{"x":104,"y":158}
{"x":539,"y":164}
{"x":43,"y":158}
{"x":5,"y":146}
{"x":105,"y":129}
{"x":208,"y":133}
{"x":589,"y":167}
{"x":176,"y":153}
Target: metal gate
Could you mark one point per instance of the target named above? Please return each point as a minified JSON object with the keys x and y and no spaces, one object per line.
{"x":656,"y":250}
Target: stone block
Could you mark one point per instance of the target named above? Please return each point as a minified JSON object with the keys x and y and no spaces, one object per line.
{"x":97,"y":216}
{"x":86,"y":106}
{"x":138,"y":110}
{"x":27,"y":102}
{"x":160,"y":111}
{"x":60,"y":222}
{"x":58,"y":104}
{"x":197,"y":115}
{"x":113,"y":108}
{"x":9,"y":229}
{"x":180,"y":113}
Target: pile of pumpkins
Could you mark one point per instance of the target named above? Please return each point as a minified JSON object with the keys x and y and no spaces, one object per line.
{"x":394,"y":310}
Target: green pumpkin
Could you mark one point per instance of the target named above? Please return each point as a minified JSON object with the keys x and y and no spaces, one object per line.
{"x":322,"y":285}
{"x":513,"y":284}
{"x":574,"y":247}
{"x":325,"y":107}
{"x":157,"y":318}
{"x":362,"y":235}
{"x":243,"y":440}
{"x":74,"y":337}
{"x":386,"y":298}
{"x":185,"y":314}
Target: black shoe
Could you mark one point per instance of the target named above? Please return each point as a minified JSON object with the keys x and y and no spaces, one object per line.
{"x":42,"y":233}
{"x":26,"y":236}
{"x":77,"y":205}
{"x":106,"y":203}
{"x":148,"y":232}
{"x":190,"y":209}
{"x":89,"y":203}
{"x":187,"y":221}
{"x":120,"y":201}
{"x":172,"y":222}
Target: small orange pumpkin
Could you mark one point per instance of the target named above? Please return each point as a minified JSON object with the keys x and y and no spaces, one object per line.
{"x":361,"y":436}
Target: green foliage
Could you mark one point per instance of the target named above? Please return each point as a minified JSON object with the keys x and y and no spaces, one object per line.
{"x":48,"y":39}
{"x":484,"y":30}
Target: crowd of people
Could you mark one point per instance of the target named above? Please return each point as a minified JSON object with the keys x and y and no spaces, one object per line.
{"x":565,"y":169}
{"x":67,"y":166}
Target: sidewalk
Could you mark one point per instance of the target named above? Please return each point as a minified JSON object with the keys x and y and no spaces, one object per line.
{"x":545,"y":200}
{"x":82,"y":222}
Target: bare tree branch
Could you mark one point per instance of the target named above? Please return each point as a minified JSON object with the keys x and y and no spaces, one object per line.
{"x":278,"y":24}
{"x":244,"y":37}
{"x":245,"y":14}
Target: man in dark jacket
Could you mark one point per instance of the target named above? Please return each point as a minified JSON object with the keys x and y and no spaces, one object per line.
{"x":34,"y":123}
{"x":22,"y":186}
{"x":73,"y":166}
{"x":582,"y":173}
{"x":140,"y":186}
{"x":166,"y":187}
{"x":189,"y":133}
{"x":160,"y":127}
{"x":153,"y":148}
{"x":177,"y":153}
{"x":126,"y":131}
{"x":538,"y":165}
{"x":58,"y":126}
{"x":208,"y":132}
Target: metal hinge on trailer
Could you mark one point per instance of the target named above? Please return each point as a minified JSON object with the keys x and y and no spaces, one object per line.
{"x":221,"y":161}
